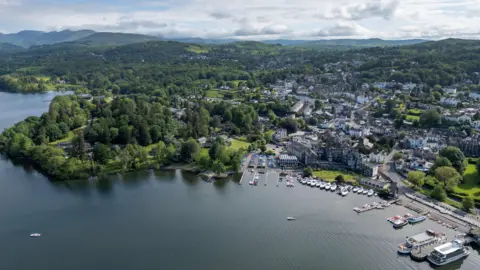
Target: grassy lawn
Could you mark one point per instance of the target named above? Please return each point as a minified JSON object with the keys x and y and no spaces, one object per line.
{"x":69,"y":137}
{"x":411,"y":118}
{"x":471,"y":184}
{"x":213,"y":94}
{"x":330,"y":175}
{"x":236,"y":144}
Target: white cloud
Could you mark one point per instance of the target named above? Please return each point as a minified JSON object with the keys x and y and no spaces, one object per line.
{"x":250,"y":19}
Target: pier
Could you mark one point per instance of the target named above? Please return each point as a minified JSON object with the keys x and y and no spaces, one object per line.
{"x":373,"y":206}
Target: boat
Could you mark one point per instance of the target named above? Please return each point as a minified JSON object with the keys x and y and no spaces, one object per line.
{"x":394,"y":219}
{"x":303,"y":181}
{"x":370,"y":193}
{"x":318,"y":184}
{"x":376,"y":194}
{"x":407,"y":216}
{"x":322,"y":184}
{"x":365,"y":191}
{"x":291,"y":218}
{"x":400,"y":223}
{"x":333,"y":187}
{"x":35,"y":235}
{"x":417,"y":219}
{"x":448,"y":252}
{"x":355,"y":189}
{"x":250,"y":183}
{"x":360,"y":190}
{"x":328,"y":186}
{"x":420,"y":240}
{"x":344,"y":192}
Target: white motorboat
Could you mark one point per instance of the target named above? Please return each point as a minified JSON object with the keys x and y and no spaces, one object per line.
{"x":370,"y":192}
{"x":328,"y":186}
{"x":360,"y":190}
{"x":375,"y":194}
{"x":318,"y":184}
{"x":344,"y":192}
{"x":355,"y":189}
{"x":333,"y":187}
{"x":35,"y":235}
{"x":304,"y":181}
{"x":365,"y":191}
{"x":322,"y":184}
{"x":251,"y":183}
{"x":291,"y":218}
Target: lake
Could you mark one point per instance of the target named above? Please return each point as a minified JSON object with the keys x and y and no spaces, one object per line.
{"x":173,"y":220}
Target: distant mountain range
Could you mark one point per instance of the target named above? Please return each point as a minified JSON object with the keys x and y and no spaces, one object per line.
{"x":28,"y":38}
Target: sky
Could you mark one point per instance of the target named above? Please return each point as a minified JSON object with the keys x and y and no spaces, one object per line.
{"x":250,"y":19}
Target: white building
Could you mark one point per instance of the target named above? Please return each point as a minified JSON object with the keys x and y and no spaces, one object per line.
{"x":377,"y":158}
{"x":381,"y":85}
{"x":280,"y":134}
{"x":458,"y":118}
{"x":362,"y":99}
{"x":288,"y":161}
{"x":476,"y":124}
{"x":296,"y":108}
{"x":450,"y":91}
{"x":409,"y":86}
{"x":449,"y":101}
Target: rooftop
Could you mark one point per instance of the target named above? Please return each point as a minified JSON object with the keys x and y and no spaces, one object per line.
{"x":419,"y":238}
{"x":448,"y":248}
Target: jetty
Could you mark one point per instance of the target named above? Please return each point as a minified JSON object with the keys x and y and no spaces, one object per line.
{"x":373,"y":206}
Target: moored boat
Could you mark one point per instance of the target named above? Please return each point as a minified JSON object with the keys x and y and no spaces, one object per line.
{"x":360,"y":190}
{"x":35,"y":235}
{"x":333,"y":187}
{"x":322,"y":184}
{"x":328,"y":186}
{"x":420,"y":240}
{"x":448,"y":253}
{"x":400,"y":223}
{"x":417,"y":219}
{"x":365,"y":191}
{"x":355,"y":189}
{"x":344,"y":192}
{"x":370,"y":193}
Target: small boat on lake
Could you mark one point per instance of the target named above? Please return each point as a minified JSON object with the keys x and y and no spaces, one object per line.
{"x":365,"y":191}
{"x":328,"y":186}
{"x":291,"y":218}
{"x":370,"y":193}
{"x":355,"y":189}
{"x":333,"y":187}
{"x":322,"y":184}
{"x":417,"y":219}
{"x":344,"y":192}
{"x":400,"y":223}
{"x":360,"y":190}
{"x":35,"y":235}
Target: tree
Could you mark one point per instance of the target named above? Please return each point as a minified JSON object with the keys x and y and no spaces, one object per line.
{"x":101,"y":153}
{"x":290,"y":125}
{"x":438,"y":193}
{"x":161,"y":153}
{"x":339,"y":178}
{"x":416,"y":178}
{"x":468,"y":203}
{"x":430,"y":118}
{"x":307,"y":172}
{"x":478,"y":165}
{"x":456,"y":157}
{"x":78,"y":146}
{"x":190,"y":150}
{"x":397,"y":156}
{"x":448,"y":176}
{"x":263,"y":148}
{"x":218,"y":167}
{"x":389,"y":105}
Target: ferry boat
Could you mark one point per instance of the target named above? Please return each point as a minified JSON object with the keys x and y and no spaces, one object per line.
{"x":447,"y":253}
{"x":370,"y":193}
{"x":333,"y":187}
{"x":328,"y":186}
{"x":322,"y":184}
{"x":417,"y":219}
{"x":423,"y":239}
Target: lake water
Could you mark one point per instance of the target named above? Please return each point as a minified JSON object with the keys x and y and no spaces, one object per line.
{"x":172,"y":220}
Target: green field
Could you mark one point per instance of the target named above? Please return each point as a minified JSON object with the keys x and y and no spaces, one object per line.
{"x":330,"y":175}
{"x":69,"y":137}
{"x":213,"y":94}
{"x":197,"y":49}
{"x":236,"y":144}
{"x":471,"y":184}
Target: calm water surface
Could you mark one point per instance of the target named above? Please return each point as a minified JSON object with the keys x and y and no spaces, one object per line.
{"x":171,"y":220}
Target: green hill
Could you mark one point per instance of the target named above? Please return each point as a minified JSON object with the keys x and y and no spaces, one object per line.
{"x":114,"y":39}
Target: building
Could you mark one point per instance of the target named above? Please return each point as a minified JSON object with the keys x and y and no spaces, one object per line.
{"x":288,"y":161}
{"x":450,"y":91}
{"x":416,"y":142}
{"x":280,"y":134}
{"x":449,"y":101}
{"x":474,"y":95}
{"x":377,"y":158}
{"x":362,"y":99}
{"x":296,"y":108}
{"x":377,"y":184}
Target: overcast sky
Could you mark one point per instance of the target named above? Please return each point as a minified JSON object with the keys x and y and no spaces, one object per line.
{"x":250,"y":19}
